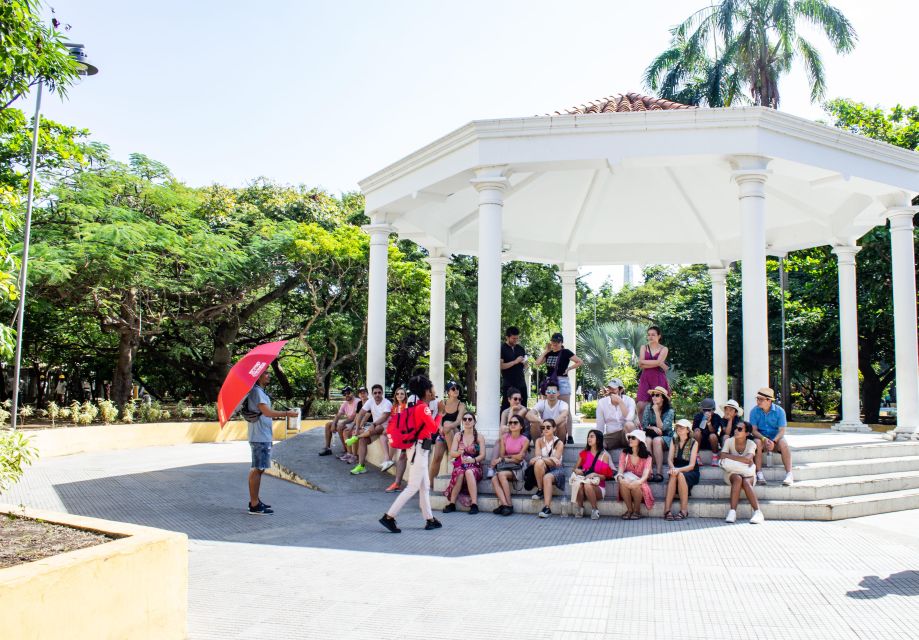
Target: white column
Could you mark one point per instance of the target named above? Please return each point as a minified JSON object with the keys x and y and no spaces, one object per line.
{"x":569,"y":323}
{"x":902,"y":255}
{"x":750,"y":175}
{"x":719,"y":334}
{"x":437,"y":338}
{"x":376,"y":302}
{"x":848,"y":339}
{"x":491,"y":185}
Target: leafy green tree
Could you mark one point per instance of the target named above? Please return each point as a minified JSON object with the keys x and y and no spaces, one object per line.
{"x":758,"y":40}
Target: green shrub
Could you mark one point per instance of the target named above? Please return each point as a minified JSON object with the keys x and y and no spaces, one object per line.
{"x":210,"y":411}
{"x":589,"y":408}
{"x":108,"y":411}
{"x":16,"y":452}
{"x":688,"y":392}
{"x":128,"y":411}
{"x":624,"y":370}
{"x":324,"y":408}
{"x":183,"y":410}
{"x":54,"y":412}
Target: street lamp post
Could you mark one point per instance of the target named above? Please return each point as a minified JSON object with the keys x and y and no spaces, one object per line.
{"x":84,"y":68}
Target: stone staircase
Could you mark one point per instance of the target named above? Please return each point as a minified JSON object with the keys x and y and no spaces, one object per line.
{"x":832,"y":482}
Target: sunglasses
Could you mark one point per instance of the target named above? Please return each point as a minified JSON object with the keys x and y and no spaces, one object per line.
{"x":551,"y":393}
{"x":517,"y":398}
{"x":468,"y":419}
{"x":377,"y":393}
{"x":761,"y":399}
{"x":513,"y":422}
{"x":546,"y":427}
{"x":657,"y":395}
{"x":631,"y":438}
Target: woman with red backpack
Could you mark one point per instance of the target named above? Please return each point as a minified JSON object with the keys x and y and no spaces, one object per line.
{"x":414,"y":429}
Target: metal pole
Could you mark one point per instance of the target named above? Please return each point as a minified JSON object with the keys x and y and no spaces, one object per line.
{"x":24,"y":270}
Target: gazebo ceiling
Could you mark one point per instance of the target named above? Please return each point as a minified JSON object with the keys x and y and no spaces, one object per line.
{"x":597,"y":186}
{"x":623,"y":103}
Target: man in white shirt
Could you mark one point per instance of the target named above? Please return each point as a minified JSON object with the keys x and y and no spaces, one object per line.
{"x":615,"y":415}
{"x":549,"y":408}
{"x":377,"y":410}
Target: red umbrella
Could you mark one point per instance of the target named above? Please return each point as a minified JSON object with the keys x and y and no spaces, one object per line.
{"x":243,"y":376}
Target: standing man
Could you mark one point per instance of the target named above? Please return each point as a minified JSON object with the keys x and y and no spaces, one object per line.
{"x":60,"y":391}
{"x":258,"y":402}
{"x":615,"y":416}
{"x":769,"y":422}
{"x":513,"y":360}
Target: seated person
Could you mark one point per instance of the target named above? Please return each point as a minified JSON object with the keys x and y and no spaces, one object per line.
{"x":347,"y":431}
{"x":450,"y":409}
{"x":733,"y":415}
{"x":511,"y":452}
{"x":345,"y":416}
{"x":550,"y":408}
{"x":615,"y":415}
{"x":658,"y":424}
{"x":516,"y":408}
{"x":740,"y":449}
{"x":684,"y":470}
{"x":548,"y":465}
{"x":467,"y":452}
{"x":768,"y":420}
{"x":633,"y":473}
{"x":370,"y":423}
{"x":706,"y":429}
{"x":396,"y":457}
{"x":595,"y":465}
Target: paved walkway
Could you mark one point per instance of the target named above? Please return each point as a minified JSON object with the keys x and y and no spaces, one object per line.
{"x":323,"y":568}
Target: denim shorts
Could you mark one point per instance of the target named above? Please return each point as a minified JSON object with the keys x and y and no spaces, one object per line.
{"x":261,"y":455}
{"x":564,"y":386}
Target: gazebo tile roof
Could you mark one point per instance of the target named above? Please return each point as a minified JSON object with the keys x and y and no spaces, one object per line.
{"x":623,"y":103}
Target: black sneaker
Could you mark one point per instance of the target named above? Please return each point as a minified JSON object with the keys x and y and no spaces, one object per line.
{"x":545,"y":513}
{"x":538,"y":495}
{"x":570,"y":439}
{"x":450,"y":507}
{"x":390,"y":523}
{"x":473,"y":509}
{"x":267,"y":506}
{"x":507,"y":510}
{"x":433,"y":523}
{"x":497,"y":510}
{"x":325,"y":452}
{"x":260,"y":510}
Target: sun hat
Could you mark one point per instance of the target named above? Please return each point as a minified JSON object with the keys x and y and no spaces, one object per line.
{"x":735,"y":406}
{"x":707,"y":405}
{"x":766,"y":392}
{"x":638,"y":434}
{"x":683,"y":422}
{"x":660,"y":390}
{"x":615,"y":383}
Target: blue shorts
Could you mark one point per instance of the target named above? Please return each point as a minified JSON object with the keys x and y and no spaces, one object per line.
{"x":564,"y":386}
{"x":261,"y":455}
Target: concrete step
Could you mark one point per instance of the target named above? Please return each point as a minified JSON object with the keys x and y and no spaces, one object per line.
{"x":807,"y":490}
{"x":831,"y":509}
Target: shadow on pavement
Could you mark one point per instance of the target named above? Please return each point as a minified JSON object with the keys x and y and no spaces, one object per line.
{"x":904,"y":583}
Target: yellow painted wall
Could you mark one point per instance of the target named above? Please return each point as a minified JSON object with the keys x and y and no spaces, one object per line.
{"x":63,"y":441}
{"x":132,"y":587}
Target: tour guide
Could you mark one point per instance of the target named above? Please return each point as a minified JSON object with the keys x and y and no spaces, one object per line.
{"x":259,"y":414}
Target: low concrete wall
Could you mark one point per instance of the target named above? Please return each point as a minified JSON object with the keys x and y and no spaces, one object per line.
{"x":64,"y":441}
{"x":132,"y":587}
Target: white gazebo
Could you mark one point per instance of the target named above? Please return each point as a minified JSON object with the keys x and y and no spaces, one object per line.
{"x":636,"y":180}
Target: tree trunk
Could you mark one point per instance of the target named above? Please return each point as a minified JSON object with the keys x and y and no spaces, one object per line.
{"x":128,"y":340}
{"x":286,"y":390}
{"x":224,"y":336}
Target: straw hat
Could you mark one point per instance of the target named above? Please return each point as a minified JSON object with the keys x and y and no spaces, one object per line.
{"x":660,"y":390}
{"x":766,"y":392}
{"x":733,"y":404}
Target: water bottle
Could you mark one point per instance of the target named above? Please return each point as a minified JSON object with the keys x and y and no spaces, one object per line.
{"x":565,"y":508}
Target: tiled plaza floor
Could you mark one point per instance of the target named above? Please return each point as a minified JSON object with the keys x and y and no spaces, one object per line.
{"x":323,"y":568}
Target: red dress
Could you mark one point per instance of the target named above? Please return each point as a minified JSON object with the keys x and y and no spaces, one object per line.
{"x":651,"y":378}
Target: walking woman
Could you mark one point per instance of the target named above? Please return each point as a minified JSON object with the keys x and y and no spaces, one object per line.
{"x":399,"y":404}
{"x":658,"y":425}
{"x":684,"y":470}
{"x":467,"y":452}
{"x":653,"y":365}
{"x":451,"y":409}
{"x":509,"y":464}
{"x":413,"y":429}
{"x":594,"y":468}
{"x":634,"y":469}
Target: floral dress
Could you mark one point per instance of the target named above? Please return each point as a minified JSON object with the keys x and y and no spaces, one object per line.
{"x":625,"y":465}
{"x":460,"y":468}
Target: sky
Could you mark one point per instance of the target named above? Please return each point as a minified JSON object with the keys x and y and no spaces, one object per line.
{"x":326,"y":93}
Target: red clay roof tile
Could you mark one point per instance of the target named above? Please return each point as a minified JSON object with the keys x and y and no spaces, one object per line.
{"x":622,"y":103}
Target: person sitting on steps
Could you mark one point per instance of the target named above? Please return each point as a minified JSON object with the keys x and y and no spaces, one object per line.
{"x":376,"y":411}
{"x":658,"y":425}
{"x":550,"y":408}
{"x":595,"y":465}
{"x":548,"y":465}
{"x":512,"y":450}
{"x":769,"y":422}
{"x":467,"y":452}
{"x":737,"y":463}
{"x":345,"y":416}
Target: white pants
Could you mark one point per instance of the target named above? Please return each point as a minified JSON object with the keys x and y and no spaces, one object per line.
{"x":418,"y":480}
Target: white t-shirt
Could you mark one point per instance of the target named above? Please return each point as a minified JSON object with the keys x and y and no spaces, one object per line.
{"x":731,"y":447}
{"x":550,"y":413}
{"x":377,"y":409}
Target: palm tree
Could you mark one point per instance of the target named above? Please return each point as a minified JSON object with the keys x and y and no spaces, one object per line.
{"x":759,"y":39}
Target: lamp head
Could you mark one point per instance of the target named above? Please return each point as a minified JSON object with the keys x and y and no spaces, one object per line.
{"x":84,"y":66}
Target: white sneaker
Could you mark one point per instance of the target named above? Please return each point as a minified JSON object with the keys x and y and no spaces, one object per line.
{"x":595,"y":514}
{"x":387,"y":464}
{"x":789,"y":479}
{"x":758,"y":517}
{"x":579,"y":512}
{"x":760,"y":478}
{"x":732,"y":516}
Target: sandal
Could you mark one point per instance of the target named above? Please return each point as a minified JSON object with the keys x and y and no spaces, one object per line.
{"x":657,"y":477}
{"x":634,"y":516}
{"x":669,"y":516}
{"x":627,"y":515}
{"x":682,"y":515}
